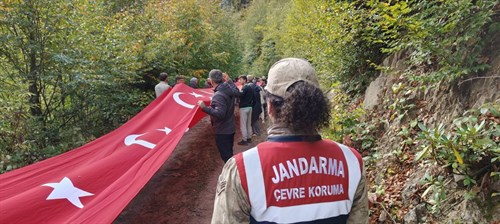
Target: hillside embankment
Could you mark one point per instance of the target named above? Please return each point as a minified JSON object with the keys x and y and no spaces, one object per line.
{"x":420,"y":190}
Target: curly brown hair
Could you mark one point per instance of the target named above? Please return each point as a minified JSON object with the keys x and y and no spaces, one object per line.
{"x":304,"y":109}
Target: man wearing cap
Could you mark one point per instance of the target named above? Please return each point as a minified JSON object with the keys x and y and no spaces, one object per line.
{"x":295,"y":176}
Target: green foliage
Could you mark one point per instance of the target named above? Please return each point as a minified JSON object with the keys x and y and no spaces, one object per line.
{"x":406,"y":134}
{"x":260,"y":31}
{"x":401,"y":102}
{"x":346,"y":40}
{"x":435,"y":192}
{"x":14,"y":111}
{"x":40,"y":54}
{"x":346,"y":122}
{"x":325,"y":33}
{"x":27,"y":152}
{"x":235,"y":5}
{"x":328,"y":34}
{"x":444,"y":37}
{"x":70,"y":69}
{"x":197,"y":37}
{"x":470,"y":146}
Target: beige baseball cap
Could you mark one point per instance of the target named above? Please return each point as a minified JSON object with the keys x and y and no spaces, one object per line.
{"x":288,"y":71}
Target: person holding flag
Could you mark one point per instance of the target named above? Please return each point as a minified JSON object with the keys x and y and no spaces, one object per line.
{"x":221,"y":111}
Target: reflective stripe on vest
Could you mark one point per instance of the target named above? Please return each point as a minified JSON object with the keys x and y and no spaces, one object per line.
{"x":327,"y":195}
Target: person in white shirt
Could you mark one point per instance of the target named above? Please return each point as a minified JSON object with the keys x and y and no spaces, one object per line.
{"x":163,"y":85}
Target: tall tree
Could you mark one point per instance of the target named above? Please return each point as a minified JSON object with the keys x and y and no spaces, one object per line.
{"x":65,"y":52}
{"x":186,"y":37}
{"x":27,"y":34}
{"x":260,"y":31}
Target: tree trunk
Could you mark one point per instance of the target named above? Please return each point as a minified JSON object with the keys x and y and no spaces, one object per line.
{"x":35,"y":104}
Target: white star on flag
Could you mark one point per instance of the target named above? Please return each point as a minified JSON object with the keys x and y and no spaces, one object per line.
{"x":66,"y":190}
{"x":196,"y":95}
{"x":165,"y":129}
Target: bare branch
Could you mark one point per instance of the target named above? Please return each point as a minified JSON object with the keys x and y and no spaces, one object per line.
{"x":481,"y":77}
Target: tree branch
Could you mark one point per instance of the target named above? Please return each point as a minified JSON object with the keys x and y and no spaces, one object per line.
{"x":481,"y":77}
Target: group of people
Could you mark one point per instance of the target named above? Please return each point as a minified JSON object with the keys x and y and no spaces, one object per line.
{"x":250,"y":100}
{"x":295,"y":176}
{"x":163,"y":85}
{"x":221,"y":110}
{"x":250,"y":108}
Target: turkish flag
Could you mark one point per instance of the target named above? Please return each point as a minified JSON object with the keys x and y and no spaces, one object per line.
{"x":93,"y":183}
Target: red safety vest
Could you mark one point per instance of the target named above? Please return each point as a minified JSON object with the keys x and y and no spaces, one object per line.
{"x":298,"y":181}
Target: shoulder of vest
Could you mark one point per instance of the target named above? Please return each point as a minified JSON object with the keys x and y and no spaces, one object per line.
{"x":240,"y":166}
{"x":354,"y":151}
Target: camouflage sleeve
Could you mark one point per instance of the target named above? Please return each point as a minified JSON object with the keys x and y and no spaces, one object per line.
{"x":359,"y":210}
{"x":231,"y":202}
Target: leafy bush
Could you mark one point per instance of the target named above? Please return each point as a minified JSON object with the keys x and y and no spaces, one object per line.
{"x":435,"y":191}
{"x":470,"y":146}
{"x":346,"y":124}
{"x":444,"y":37}
{"x":329,"y":33}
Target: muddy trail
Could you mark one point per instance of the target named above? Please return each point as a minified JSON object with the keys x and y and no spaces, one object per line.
{"x":183,"y":189}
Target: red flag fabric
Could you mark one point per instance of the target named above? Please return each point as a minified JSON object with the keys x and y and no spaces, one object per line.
{"x":94,"y":183}
{"x":238,"y":85}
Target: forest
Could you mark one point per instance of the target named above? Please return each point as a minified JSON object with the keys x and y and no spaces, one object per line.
{"x":72,"y":71}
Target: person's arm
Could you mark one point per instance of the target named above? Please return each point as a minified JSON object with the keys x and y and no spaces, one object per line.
{"x":254,"y":94}
{"x":359,"y":209}
{"x":234,"y":89}
{"x":217,"y":107}
{"x":231,"y":203}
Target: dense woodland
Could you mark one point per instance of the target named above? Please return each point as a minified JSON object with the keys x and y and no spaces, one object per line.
{"x":72,"y":71}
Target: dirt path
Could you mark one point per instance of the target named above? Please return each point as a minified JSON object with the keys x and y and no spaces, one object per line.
{"x":183,"y":189}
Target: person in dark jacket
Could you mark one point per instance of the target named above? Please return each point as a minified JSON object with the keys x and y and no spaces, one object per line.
{"x":256,"y":106}
{"x":246,"y":103}
{"x":221,"y":111}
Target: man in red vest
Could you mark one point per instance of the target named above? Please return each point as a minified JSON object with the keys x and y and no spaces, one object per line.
{"x":295,"y":176}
